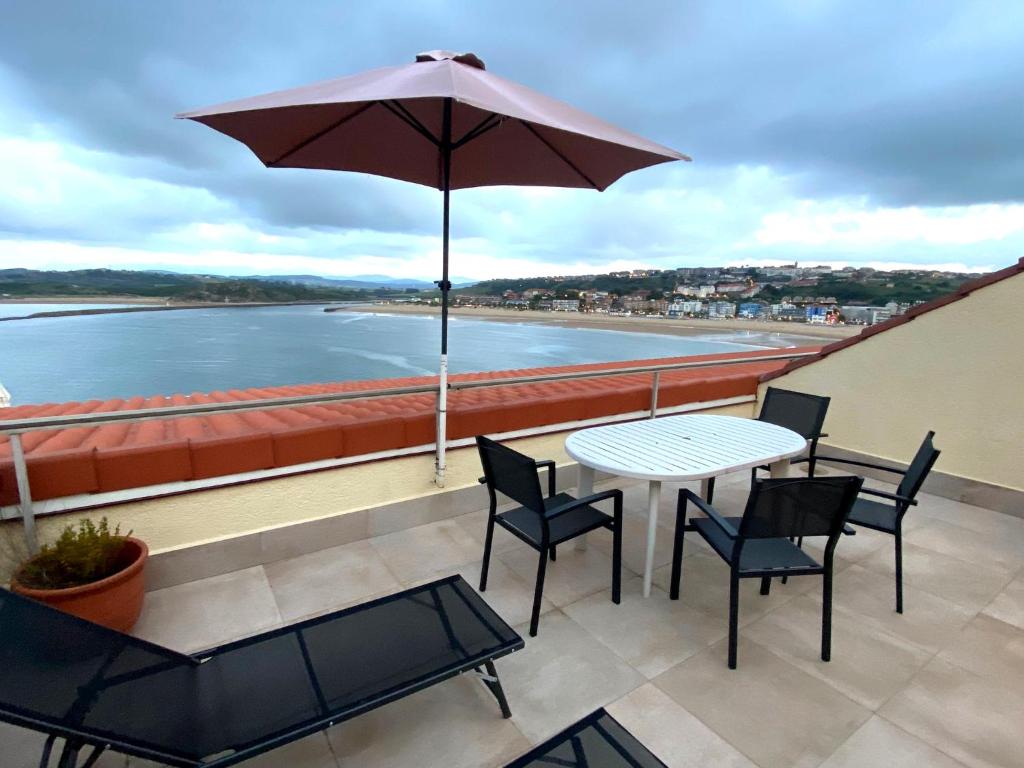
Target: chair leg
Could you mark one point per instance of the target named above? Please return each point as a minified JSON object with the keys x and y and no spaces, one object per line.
{"x":711,"y":490}
{"x":617,"y":562}
{"x":487,"y":552}
{"x":734,"y":615}
{"x":677,"y":556}
{"x":766,"y":584}
{"x":899,"y":570}
{"x":538,"y":592}
{"x":553,"y":553}
{"x":826,"y":616}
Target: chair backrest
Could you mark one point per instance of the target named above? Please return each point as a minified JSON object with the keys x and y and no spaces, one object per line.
{"x":790,"y":507}
{"x":63,"y":675}
{"x":920,"y":466}
{"x":798,"y":411}
{"x":511,"y":473}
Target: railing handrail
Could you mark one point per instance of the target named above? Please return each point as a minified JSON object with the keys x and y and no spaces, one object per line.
{"x":68,"y":421}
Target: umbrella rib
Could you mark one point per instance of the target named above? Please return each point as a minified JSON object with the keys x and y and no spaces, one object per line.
{"x":555,"y":150}
{"x":320,"y":134}
{"x":479,"y":130}
{"x":403,"y":114}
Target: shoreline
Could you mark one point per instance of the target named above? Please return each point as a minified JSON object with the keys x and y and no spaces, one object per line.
{"x":667,"y":326}
{"x":139,"y":305}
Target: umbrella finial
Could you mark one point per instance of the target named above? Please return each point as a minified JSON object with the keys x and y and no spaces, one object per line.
{"x":469,"y":59}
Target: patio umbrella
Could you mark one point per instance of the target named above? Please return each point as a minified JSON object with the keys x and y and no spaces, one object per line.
{"x":443,"y":122}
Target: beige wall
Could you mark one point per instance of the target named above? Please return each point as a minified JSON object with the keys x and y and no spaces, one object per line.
{"x":958,"y":369}
{"x":199,"y":517}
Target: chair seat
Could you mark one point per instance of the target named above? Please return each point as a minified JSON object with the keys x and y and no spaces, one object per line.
{"x":873,"y":514}
{"x":525,"y":523}
{"x":757,"y":554}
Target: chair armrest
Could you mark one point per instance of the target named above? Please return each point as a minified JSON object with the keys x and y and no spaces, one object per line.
{"x":848,"y":530}
{"x":561,"y":509}
{"x":711,"y":512}
{"x":837,"y":460}
{"x":551,"y":474}
{"x":890,"y":496}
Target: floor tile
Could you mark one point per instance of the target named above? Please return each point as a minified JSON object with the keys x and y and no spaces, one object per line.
{"x":867,"y":665}
{"x":311,"y":752}
{"x":333,"y":578}
{"x":776,"y":714}
{"x":971,"y":585}
{"x":705,"y":586}
{"x":975,"y":719}
{"x":563,"y":674}
{"x":966,"y":544}
{"x":201,"y":614}
{"x":986,"y":521}
{"x":927,"y":620}
{"x":417,"y":552}
{"x":991,"y":648}
{"x":455,"y":724}
{"x":573,"y":576}
{"x":675,"y":736}
{"x":1008,"y":605}
{"x":651,"y":634}
{"x":880,"y":743}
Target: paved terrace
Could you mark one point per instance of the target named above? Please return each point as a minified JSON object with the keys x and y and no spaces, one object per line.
{"x":940,"y":686}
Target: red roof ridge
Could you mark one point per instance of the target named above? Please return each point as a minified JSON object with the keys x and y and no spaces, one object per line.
{"x":964,"y":290}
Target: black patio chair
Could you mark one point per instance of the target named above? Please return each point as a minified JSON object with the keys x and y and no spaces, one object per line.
{"x":100,"y":689}
{"x":542,"y":522}
{"x":798,"y":411}
{"x":887,"y":516}
{"x":759,"y":544}
{"x":596,"y":741}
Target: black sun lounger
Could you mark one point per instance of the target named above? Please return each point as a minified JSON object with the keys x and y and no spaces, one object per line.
{"x":101,"y":689}
{"x":596,"y":741}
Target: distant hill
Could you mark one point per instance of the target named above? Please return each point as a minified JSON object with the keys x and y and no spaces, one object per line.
{"x":359,"y":281}
{"x":176,"y":287}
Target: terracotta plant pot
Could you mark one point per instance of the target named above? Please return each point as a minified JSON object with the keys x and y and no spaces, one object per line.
{"x":114,"y":602}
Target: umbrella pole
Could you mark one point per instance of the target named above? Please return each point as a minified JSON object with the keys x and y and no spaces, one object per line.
{"x":445,"y":286}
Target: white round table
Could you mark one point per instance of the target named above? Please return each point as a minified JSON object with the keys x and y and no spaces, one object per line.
{"x":677,"y":449}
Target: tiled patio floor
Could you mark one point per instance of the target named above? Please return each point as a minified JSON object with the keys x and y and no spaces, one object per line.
{"x":941,"y":685}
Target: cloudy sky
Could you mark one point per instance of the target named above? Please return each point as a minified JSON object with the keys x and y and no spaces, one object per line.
{"x":883,"y":134}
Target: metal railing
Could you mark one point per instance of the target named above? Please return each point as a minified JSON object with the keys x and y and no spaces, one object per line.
{"x":15,"y":428}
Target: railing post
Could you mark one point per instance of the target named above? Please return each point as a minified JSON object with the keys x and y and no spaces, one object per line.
{"x":654,"y":393}
{"x":28,"y":515}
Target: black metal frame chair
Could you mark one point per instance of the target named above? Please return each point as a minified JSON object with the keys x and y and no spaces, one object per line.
{"x":759,"y":544}
{"x":541,"y":522}
{"x":888,"y":518}
{"x":596,"y":741}
{"x":798,"y":411}
{"x":101,"y":689}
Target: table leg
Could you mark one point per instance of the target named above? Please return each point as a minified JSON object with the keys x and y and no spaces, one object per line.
{"x":653,"y":499}
{"x":584,"y":487}
{"x":779,"y":468}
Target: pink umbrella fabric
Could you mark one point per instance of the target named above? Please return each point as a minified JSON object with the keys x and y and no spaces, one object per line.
{"x":443,"y":122}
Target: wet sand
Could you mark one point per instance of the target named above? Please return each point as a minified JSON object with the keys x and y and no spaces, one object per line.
{"x":685,"y":326}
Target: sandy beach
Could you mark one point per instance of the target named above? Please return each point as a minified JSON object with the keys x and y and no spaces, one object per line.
{"x":670,"y":326}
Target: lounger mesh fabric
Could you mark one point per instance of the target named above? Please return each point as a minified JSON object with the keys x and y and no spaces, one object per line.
{"x":63,"y":675}
{"x":596,"y":741}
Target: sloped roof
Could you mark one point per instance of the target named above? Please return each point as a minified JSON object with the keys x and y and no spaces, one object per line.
{"x":914,"y":312}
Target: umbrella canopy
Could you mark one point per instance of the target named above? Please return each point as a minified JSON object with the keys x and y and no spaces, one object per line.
{"x":443,"y":122}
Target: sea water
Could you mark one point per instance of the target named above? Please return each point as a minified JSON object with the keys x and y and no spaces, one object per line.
{"x":201,"y":350}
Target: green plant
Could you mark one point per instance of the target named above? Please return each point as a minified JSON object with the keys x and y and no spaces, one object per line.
{"x":79,"y":556}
